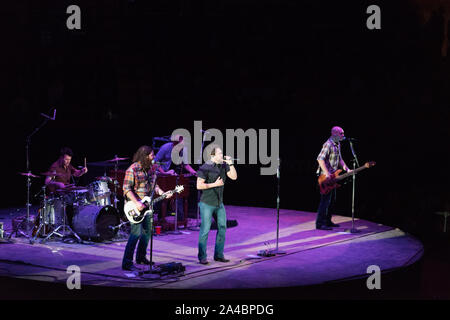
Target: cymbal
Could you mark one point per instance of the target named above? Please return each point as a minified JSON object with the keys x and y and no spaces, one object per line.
{"x":107,"y":163}
{"x":29,"y":174}
{"x":51,"y":174}
{"x":78,"y":189}
{"x":117,"y":159}
{"x":70,"y":188}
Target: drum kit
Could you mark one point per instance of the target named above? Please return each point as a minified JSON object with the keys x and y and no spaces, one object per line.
{"x":88,"y":213}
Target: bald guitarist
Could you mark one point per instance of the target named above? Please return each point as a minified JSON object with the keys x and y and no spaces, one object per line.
{"x":329,"y":160}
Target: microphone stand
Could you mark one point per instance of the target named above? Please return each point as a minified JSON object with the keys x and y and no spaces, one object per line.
{"x":355,"y":163}
{"x":27,"y":151}
{"x":153,"y":184}
{"x":277,"y":251}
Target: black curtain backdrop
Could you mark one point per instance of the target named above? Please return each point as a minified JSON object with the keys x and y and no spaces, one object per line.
{"x":140,"y":69}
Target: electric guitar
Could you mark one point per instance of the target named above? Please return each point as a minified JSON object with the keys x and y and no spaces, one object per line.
{"x":326,"y":185}
{"x":135,"y":216}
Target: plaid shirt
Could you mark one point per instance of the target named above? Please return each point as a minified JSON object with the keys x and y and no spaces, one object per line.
{"x":331,"y":154}
{"x":136,"y":180}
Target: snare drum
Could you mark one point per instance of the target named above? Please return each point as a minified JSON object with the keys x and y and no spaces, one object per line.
{"x":99,"y":193}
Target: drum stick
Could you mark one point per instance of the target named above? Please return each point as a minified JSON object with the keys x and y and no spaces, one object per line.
{"x":85,"y":162}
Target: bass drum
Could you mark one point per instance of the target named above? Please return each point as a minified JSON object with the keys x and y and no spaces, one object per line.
{"x":95,"y":222}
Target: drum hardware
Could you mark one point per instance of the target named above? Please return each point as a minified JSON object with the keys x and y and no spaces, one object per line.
{"x":62,"y":226}
{"x":116,"y":167}
{"x":122,"y":233}
{"x":29,"y":175}
{"x":51,"y":174}
{"x":27,"y":221}
{"x":42,"y":220}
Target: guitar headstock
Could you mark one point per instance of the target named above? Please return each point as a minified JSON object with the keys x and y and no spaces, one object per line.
{"x":369,"y":164}
{"x":178,"y":189}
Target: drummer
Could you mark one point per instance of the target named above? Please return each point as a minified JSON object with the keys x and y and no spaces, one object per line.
{"x":63,"y":171}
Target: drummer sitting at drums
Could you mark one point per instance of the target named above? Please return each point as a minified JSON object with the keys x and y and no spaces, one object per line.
{"x":63,"y":171}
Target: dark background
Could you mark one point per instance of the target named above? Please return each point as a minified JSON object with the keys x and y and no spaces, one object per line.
{"x":140,"y":69}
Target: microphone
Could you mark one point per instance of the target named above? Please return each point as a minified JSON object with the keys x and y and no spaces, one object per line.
{"x":234,"y":159}
{"x":50,"y":118}
{"x":157,"y":162}
{"x":350,"y":139}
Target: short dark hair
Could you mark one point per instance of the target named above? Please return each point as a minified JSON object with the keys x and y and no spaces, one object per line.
{"x":66,"y":150}
{"x":214,"y":147}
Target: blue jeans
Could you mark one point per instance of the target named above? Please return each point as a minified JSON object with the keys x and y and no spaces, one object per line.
{"x":323,"y":215}
{"x":206,"y":213}
{"x":139,"y":232}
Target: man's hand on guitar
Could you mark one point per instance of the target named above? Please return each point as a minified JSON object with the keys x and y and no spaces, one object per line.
{"x":169,"y":195}
{"x":140,"y":206}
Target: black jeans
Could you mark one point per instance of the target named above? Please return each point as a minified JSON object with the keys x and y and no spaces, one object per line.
{"x":323,"y":214}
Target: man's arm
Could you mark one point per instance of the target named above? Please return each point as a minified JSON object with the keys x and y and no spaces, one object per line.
{"x":232,"y":174}
{"x":50,"y":182}
{"x":323,"y":167}
{"x":79,"y":173}
{"x":189,"y":169}
{"x":201,"y":185}
{"x":344,"y":166}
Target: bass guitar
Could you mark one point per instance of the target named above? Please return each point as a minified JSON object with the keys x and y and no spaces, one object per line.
{"x":326,"y":185}
{"x":135,"y":216}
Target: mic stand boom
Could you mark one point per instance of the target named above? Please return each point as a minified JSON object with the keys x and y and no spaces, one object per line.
{"x":27,"y":152}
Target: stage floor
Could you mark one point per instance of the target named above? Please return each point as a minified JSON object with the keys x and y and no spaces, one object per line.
{"x":312,"y":256}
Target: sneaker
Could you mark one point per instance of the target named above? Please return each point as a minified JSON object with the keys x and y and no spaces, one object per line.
{"x":130,"y":268}
{"x":204,"y":261}
{"x":221,"y":260}
{"x":323,"y":228}
{"x":333,"y":225}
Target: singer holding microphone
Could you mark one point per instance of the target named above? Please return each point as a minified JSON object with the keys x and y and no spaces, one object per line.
{"x":329,"y":160}
{"x":211,"y":178}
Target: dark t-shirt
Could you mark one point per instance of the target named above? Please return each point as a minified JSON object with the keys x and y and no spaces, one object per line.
{"x":210,"y":172}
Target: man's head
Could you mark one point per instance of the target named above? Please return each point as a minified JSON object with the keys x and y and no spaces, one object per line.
{"x":216,"y":153}
{"x":177,"y":139}
{"x":144,"y":155}
{"x":66,"y":156}
{"x":337,"y":134}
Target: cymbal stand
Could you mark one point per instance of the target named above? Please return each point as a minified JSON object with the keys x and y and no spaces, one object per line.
{"x":42,"y":221}
{"x":63,"y":227}
{"x":116,"y":167}
{"x":27,"y":151}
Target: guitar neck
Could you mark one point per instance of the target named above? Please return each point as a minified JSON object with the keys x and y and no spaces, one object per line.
{"x":348,"y":174}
